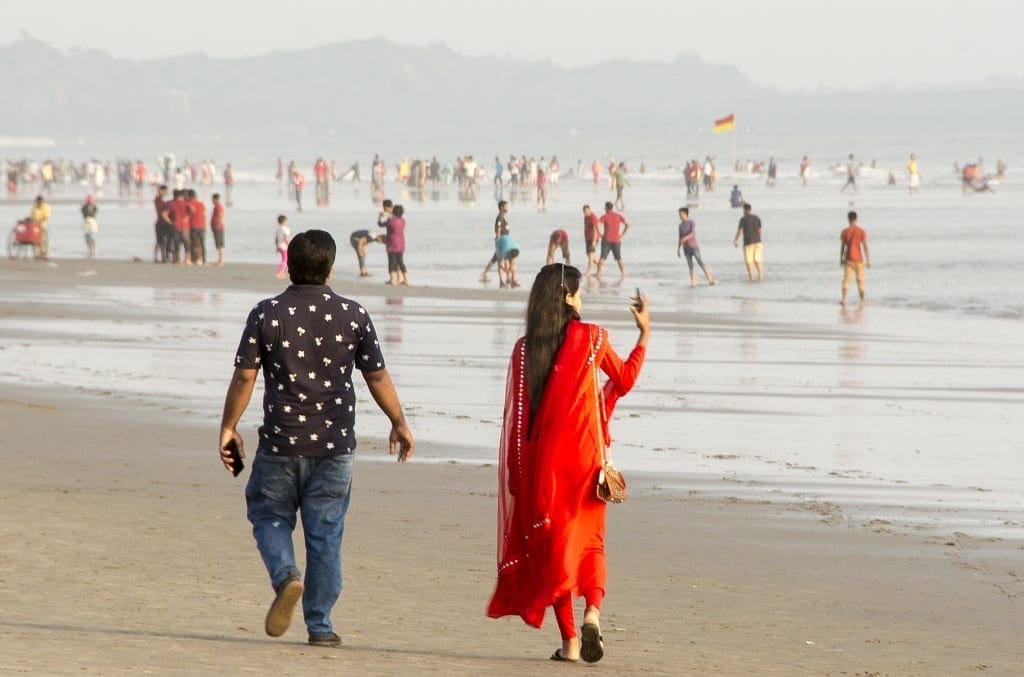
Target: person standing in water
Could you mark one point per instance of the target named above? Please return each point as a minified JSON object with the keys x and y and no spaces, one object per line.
{"x":688,"y":245}
{"x":915,"y":177}
{"x":281,"y":239}
{"x":750,"y":230}
{"x":851,"y":175}
{"x":853,"y":256}
{"x":89,"y":224}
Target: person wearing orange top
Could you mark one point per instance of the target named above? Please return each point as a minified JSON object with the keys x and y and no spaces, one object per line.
{"x":217,"y":226}
{"x":853,"y":255}
{"x":551,"y":524}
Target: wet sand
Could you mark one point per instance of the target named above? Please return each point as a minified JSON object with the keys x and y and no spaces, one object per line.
{"x":127,"y":549}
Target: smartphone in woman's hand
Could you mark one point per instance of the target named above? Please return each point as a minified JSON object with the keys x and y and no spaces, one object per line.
{"x":638,"y":303}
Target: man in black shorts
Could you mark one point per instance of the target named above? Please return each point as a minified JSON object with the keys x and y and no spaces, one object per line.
{"x":614,"y":227}
{"x":359,"y":239}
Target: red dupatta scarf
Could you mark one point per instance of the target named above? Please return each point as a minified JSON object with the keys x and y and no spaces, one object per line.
{"x":547,"y":476}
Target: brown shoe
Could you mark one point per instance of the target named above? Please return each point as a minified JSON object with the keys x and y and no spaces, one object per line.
{"x":281,"y":610}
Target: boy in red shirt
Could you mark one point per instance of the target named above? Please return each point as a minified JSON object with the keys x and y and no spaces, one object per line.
{"x":217,"y":226}
{"x":853,"y":240}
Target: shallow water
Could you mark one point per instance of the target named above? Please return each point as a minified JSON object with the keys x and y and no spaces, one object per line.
{"x":890,"y":410}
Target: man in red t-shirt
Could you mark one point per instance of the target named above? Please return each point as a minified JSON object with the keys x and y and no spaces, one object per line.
{"x":853,"y":255}
{"x":613,"y":227}
{"x":591,"y":237}
{"x":178,"y":210}
{"x":197,"y":227}
{"x":217,"y":226}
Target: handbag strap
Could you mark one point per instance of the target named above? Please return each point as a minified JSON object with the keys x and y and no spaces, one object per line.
{"x":598,"y":409}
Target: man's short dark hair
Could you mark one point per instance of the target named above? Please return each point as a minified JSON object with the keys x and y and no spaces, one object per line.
{"x":685,"y":210}
{"x":398,"y":211}
{"x":586,"y":206}
{"x":282,"y":218}
{"x":190,"y":194}
{"x":502,"y":203}
{"x":851,"y":216}
{"x":608,"y":206}
{"x":311,"y":257}
{"x":747,"y":207}
{"x":162,"y":186}
{"x":216,"y":196}
{"x":177,"y":193}
{"x":387,"y":203}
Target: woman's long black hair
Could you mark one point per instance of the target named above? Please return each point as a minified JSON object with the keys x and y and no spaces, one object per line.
{"x":546,"y":318}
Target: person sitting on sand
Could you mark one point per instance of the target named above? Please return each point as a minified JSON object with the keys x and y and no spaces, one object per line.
{"x":551,"y":524}
{"x":735,"y":198}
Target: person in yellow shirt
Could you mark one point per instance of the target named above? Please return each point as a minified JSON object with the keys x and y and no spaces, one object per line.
{"x":39,"y":216}
{"x":915,"y":178}
{"x":40,"y":212}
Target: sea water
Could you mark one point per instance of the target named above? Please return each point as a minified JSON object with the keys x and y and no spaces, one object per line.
{"x":750,"y":389}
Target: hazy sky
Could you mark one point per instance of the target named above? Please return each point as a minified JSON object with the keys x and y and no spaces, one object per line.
{"x":791,"y":44}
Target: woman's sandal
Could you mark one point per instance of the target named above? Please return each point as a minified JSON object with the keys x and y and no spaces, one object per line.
{"x":592,"y":643}
{"x":557,"y":656}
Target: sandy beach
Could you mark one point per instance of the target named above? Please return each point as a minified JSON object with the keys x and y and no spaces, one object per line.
{"x":127,"y":549}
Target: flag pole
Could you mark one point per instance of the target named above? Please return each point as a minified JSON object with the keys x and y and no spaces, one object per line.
{"x":734,"y":152}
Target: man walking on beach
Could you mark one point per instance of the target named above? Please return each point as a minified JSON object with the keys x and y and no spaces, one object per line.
{"x":308,"y":341}
{"x":620,"y":184}
{"x":853,"y":255}
{"x":851,"y":175}
{"x":750,"y":229}
{"x":688,"y":245}
{"x":611,"y":237}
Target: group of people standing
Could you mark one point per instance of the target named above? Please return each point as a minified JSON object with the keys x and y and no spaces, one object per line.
{"x":181,"y":225}
{"x":392,"y":219}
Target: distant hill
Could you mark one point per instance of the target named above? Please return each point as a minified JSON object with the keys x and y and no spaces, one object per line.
{"x":378,"y":91}
{"x":372,"y":86}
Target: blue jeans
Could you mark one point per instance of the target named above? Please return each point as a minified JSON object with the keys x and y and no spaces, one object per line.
{"x":320,"y":489}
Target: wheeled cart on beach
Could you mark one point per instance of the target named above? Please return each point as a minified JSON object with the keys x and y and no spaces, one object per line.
{"x":27,"y":236}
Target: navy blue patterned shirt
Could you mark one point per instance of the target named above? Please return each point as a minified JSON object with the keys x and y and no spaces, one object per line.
{"x":307,"y":341}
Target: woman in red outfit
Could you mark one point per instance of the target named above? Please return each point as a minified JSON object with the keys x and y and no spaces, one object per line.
{"x":550,"y":521}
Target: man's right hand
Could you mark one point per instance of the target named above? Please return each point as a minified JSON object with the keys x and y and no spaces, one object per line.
{"x":401,"y":442}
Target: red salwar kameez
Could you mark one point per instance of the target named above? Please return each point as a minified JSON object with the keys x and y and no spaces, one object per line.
{"x":550,"y":522}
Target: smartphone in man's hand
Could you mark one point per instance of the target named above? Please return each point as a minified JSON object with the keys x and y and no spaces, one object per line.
{"x":639,"y":302}
{"x":237,"y":465}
